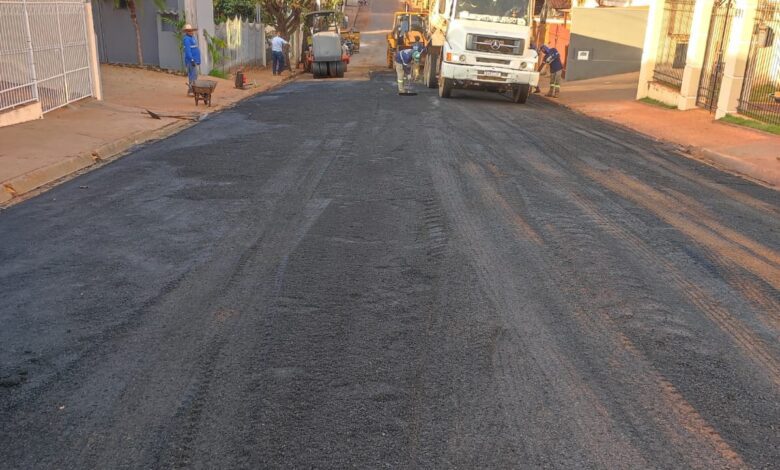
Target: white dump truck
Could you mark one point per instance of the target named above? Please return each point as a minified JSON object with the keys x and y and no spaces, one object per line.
{"x":481,"y":45}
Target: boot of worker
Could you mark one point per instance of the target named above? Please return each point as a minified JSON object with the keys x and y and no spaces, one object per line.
{"x":551,"y":93}
{"x":556,"y":92}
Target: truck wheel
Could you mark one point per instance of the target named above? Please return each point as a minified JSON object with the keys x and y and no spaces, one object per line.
{"x":336,"y":69}
{"x":445,"y":87}
{"x":520,"y":93}
{"x":319,"y":69}
{"x":429,"y":72}
{"x":390,"y":59}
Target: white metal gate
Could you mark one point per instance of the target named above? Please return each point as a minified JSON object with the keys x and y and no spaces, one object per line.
{"x":44,"y":53}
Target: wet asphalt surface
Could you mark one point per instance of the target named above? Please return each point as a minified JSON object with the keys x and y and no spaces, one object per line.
{"x":330,"y":275}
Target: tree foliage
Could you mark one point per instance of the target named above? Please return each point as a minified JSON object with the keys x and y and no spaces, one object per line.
{"x":224,"y":9}
{"x":285,"y":15}
{"x":132,"y":10}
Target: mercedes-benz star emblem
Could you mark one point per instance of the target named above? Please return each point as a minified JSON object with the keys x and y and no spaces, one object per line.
{"x":495,"y":44}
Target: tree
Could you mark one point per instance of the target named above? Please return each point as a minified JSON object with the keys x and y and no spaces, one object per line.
{"x":224,"y":9}
{"x":133,"y":10}
{"x":285,"y":15}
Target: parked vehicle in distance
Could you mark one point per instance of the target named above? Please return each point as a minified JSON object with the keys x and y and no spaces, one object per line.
{"x":408,"y":27}
{"x":323,"y":53}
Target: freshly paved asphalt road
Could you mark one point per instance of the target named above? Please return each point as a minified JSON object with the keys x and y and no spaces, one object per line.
{"x":330,"y":275}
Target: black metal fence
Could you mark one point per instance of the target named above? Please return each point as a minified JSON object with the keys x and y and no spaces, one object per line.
{"x":760,"y":98}
{"x":673,"y":45}
{"x":714,"y":56}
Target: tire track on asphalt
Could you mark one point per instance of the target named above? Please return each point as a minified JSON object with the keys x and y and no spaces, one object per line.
{"x":754,"y":346}
{"x":595,"y":434}
{"x":182,"y":393}
{"x":761,"y":295}
{"x":756,"y":258}
{"x":761,"y":262}
{"x":300,"y":211}
{"x":675,"y":166}
{"x":700,"y":433}
{"x":177,"y":439}
{"x":685,"y":412}
{"x":676,"y":171}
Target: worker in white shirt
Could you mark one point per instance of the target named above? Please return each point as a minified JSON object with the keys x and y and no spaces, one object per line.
{"x":277,"y":50}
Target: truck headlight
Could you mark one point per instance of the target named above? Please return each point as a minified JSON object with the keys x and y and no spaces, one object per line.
{"x":462,"y":58}
{"x":523,"y":65}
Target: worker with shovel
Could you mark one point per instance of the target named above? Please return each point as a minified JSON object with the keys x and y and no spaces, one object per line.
{"x":404,"y":61}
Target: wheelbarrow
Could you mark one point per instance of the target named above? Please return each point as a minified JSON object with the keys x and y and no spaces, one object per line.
{"x":202,"y":89}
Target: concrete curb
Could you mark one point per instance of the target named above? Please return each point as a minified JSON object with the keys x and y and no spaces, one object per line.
{"x":724,"y":161}
{"x":718,"y":160}
{"x":30,"y":184}
{"x":15,"y":189}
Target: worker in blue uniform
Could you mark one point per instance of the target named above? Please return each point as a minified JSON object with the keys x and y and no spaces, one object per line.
{"x":552,"y":58}
{"x":191,"y":55}
{"x":404,"y":61}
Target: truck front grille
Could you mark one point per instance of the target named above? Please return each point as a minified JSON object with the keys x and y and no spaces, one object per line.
{"x":494,"y":44}
{"x":489,"y":60}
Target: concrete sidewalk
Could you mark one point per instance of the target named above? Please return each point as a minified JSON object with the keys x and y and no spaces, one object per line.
{"x":733,"y":148}
{"x":37,"y":153}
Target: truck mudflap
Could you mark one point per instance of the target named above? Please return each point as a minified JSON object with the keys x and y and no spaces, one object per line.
{"x":492,"y":76}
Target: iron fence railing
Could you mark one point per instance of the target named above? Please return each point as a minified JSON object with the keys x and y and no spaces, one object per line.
{"x":44,"y":53}
{"x":760,"y":97}
{"x":673,"y":44}
{"x":714,"y":56}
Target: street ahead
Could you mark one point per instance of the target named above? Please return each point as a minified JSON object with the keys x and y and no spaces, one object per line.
{"x":331,"y":275}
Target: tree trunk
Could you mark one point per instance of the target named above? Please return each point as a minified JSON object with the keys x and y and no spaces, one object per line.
{"x":134,"y":18}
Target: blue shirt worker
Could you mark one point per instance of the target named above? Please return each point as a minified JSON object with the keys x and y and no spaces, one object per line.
{"x":277,"y":50}
{"x":553,"y":59}
{"x":404,"y":61}
{"x":191,"y":55}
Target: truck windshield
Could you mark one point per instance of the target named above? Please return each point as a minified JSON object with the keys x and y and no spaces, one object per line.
{"x":405,"y":25}
{"x":502,"y":11}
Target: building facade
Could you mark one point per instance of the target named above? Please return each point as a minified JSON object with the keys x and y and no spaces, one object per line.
{"x":116,"y":35}
{"x":720,"y":55}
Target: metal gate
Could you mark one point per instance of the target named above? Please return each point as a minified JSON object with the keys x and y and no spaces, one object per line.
{"x":673,"y":44}
{"x":714,"y":57}
{"x":44,"y":54}
{"x":760,"y":97}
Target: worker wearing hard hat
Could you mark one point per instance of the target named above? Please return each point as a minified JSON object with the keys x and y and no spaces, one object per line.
{"x":404,"y":61}
{"x":191,"y":55}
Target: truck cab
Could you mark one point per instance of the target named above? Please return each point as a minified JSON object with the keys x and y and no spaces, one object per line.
{"x":481,"y":45}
